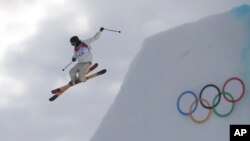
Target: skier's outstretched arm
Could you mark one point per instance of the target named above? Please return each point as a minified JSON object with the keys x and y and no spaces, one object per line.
{"x":95,"y":37}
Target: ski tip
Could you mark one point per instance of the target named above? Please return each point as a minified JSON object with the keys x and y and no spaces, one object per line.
{"x":55,"y":91}
{"x":53,"y":98}
{"x":102,"y":72}
{"x":95,"y":65}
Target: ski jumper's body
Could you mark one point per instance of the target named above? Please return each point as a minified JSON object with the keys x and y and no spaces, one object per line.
{"x":84,"y":57}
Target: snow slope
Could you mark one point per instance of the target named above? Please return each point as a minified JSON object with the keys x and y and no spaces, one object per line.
{"x":188,"y":57}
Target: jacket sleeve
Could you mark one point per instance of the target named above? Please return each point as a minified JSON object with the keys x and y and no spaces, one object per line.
{"x":94,"y":38}
{"x":74,"y":55}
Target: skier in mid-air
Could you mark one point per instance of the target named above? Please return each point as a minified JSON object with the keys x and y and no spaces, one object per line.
{"x":84,"y":56}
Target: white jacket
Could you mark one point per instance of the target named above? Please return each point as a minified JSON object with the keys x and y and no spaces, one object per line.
{"x":83,"y":51}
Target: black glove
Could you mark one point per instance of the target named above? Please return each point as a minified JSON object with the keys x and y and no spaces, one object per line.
{"x":73,"y":59}
{"x":101,"y":29}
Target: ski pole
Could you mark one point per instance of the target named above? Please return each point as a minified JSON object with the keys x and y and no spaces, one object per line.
{"x":67,"y":66}
{"x":112,"y":30}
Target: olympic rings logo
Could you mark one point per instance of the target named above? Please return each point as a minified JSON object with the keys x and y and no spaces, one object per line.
{"x":215,"y":102}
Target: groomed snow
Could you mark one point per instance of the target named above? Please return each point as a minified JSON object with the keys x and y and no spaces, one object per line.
{"x":187,"y":57}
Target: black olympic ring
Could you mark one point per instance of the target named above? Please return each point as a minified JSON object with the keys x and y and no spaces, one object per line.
{"x":219,"y":95}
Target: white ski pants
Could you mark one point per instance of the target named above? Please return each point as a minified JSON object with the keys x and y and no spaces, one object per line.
{"x":79,"y":71}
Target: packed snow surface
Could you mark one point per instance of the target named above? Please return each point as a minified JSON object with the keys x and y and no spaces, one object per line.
{"x":186,"y":58}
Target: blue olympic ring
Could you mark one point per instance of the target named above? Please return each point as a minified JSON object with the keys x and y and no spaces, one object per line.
{"x":196,"y":102}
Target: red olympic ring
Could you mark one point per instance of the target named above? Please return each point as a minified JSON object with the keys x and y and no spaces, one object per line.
{"x":242,"y":93}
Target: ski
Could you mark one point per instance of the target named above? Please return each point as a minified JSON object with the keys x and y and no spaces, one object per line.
{"x":62,"y":89}
{"x":93,"y":67}
{"x":90,"y":69}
